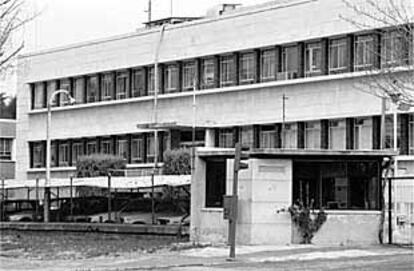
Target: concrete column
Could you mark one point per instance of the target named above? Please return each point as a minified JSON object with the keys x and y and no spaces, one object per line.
{"x":209,"y":137}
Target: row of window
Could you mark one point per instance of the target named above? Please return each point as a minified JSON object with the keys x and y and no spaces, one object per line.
{"x":340,"y":134}
{"x":304,"y":59}
{"x":6,"y":145}
{"x":134,"y":149}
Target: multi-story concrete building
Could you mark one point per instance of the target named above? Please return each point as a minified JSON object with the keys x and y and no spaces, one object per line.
{"x":7,"y":148}
{"x":278,"y":75}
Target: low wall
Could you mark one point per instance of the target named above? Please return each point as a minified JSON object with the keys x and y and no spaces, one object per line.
{"x":347,"y":228}
{"x":167,"y":230}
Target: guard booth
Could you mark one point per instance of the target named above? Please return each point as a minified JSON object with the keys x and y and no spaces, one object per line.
{"x":347,"y":184}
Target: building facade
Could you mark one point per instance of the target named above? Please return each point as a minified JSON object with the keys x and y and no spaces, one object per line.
{"x":281,"y":75}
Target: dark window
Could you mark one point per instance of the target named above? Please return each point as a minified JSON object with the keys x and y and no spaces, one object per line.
{"x":150,"y":148}
{"x":38,"y":154}
{"x":6,"y":148}
{"x":337,"y":185}
{"x":138,"y":83}
{"x":208,"y":73}
{"x":215,"y":183}
{"x":92,"y":89}
{"x":91,"y":147}
{"x":246,"y":136}
{"x":106,"y":146}
{"x":289,"y":63}
{"x":121,"y":85}
{"x":389,"y":131}
{"x":394,"y":49}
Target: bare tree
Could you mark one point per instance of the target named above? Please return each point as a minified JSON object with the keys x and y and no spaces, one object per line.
{"x":12,"y":18}
{"x":393,"y":20}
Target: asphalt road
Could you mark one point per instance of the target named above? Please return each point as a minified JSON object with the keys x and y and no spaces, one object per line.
{"x":381,"y":263}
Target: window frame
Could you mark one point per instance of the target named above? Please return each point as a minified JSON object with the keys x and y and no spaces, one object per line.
{"x":139,"y":151}
{"x":366,"y":44}
{"x":122,"y":83}
{"x":92,"y":86}
{"x":6,"y":149}
{"x":64,"y":152}
{"x":227,"y":68}
{"x":208,"y":73}
{"x":107,"y":86}
{"x":288,"y":74}
{"x":171,"y":78}
{"x":270,"y":75}
{"x":189,"y":75}
{"x":311,"y":49}
{"x":340,"y":46}
{"x":247,"y":74}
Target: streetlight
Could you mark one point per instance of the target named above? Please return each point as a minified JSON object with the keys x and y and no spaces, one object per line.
{"x":71,"y":100}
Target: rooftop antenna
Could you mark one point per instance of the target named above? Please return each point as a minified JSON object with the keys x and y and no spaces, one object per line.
{"x":149,"y":10}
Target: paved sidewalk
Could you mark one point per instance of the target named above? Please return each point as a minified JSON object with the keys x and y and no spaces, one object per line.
{"x":204,"y":258}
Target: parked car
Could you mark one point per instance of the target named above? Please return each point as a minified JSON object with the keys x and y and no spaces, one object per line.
{"x":24,"y":216}
{"x":104,"y":218}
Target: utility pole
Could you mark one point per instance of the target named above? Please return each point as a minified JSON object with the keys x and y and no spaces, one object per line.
{"x":149,"y":10}
{"x":233,"y":199}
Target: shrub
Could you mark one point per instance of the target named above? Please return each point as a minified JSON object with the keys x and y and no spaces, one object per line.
{"x":99,"y":165}
{"x":177,"y":162}
{"x":307,"y":221}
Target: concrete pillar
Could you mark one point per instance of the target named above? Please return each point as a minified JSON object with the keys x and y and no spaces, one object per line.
{"x":209,"y":137}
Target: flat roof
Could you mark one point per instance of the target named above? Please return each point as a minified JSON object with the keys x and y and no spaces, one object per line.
{"x":298,"y":153}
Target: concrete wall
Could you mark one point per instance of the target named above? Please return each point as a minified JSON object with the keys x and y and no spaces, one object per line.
{"x":348,"y":228}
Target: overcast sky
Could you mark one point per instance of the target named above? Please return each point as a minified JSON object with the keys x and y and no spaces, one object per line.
{"x":64,"y":22}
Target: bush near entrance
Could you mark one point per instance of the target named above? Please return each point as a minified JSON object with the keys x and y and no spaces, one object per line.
{"x":99,"y":165}
{"x":177,"y":162}
{"x":307,"y":220}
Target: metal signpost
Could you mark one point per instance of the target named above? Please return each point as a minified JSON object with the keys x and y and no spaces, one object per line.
{"x":230,"y":202}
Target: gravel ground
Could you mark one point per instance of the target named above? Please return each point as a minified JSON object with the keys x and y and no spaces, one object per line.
{"x":71,"y":245}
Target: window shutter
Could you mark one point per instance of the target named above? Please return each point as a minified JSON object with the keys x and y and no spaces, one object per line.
{"x":349,"y":133}
{"x":301,"y":135}
{"x":376,"y":132}
{"x":301,"y":59}
{"x":350,"y":44}
{"x":324,"y":134}
{"x":325,"y":56}
{"x":404,"y":143}
{"x":278,"y":135}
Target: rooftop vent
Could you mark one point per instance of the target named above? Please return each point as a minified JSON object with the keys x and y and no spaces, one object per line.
{"x":169,"y":20}
{"x":221,"y":9}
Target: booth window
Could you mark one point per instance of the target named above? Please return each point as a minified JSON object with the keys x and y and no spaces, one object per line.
{"x":352,"y":185}
{"x":215,"y":183}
